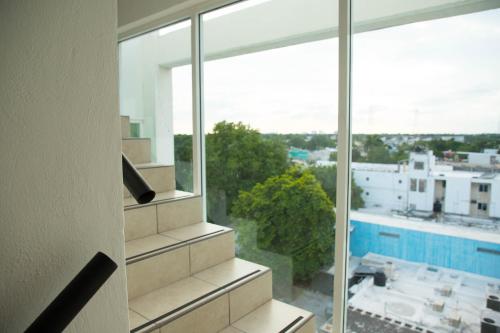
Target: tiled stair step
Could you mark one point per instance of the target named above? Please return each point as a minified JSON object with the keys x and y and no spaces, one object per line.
{"x":205,"y":302}
{"x":125,"y":121}
{"x":162,"y":216}
{"x":274,"y":317}
{"x":158,"y":260}
{"x":137,"y":150}
{"x":160,"y":177}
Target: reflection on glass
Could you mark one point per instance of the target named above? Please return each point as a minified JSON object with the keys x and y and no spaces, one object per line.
{"x":155,"y":93}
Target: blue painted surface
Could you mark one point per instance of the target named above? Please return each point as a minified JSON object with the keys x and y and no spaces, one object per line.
{"x":433,"y":249}
{"x":298,"y":154}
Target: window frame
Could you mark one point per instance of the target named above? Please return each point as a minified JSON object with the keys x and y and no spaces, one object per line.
{"x":344,"y":136}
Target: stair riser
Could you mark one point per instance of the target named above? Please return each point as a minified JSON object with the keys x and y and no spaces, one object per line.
{"x":161,"y":179}
{"x":250,"y":296}
{"x":160,"y":270}
{"x":179,"y":213}
{"x":211,"y":252}
{"x":125,"y":126}
{"x":138,"y":151}
{"x":140,"y":222}
{"x":209,"y":318}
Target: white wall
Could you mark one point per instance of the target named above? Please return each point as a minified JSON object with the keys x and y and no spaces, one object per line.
{"x":383,"y":189}
{"x":495,"y":198}
{"x":60,"y":197}
{"x":482,"y":158}
{"x":457,"y":196}
{"x":146,"y":91}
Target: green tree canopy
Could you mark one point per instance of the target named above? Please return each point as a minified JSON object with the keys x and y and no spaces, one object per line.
{"x":294,"y":217}
{"x":183,"y":153}
{"x":327,"y":176}
{"x":238,"y":157}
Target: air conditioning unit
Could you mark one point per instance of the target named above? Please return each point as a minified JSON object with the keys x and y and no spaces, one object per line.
{"x":490,"y":321}
{"x":444,"y":291}
{"x":454,"y":320}
{"x":437,"y":305}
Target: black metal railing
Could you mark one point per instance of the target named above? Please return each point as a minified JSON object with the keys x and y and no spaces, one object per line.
{"x":64,"y":308}
{"x":135,"y":183}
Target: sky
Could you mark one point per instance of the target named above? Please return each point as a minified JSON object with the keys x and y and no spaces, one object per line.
{"x":440,"y":76}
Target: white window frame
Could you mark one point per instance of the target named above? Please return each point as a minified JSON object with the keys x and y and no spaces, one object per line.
{"x":344,"y":136}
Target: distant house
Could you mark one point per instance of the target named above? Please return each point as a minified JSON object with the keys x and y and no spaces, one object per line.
{"x":420,"y":184}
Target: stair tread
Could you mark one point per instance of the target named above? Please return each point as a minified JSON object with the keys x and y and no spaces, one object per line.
{"x":163,"y":300}
{"x":135,"y":319}
{"x":147,"y":244}
{"x":172,"y":237}
{"x":272,"y":316}
{"x":162,"y":196}
{"x":194,"y":231}
{"x":231,"y":329}
{"x":228,"y":271}
{"x":202,"y":285}
{"x":134,"y":138}
{"x":152,"y":165}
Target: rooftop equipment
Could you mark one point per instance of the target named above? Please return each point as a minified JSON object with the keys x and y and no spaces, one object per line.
{"x":490,"y":322}
{"x":493,"y":302}
{"x":379,"y":279}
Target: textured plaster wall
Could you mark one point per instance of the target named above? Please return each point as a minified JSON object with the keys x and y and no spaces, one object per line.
{"x":60,"y":171}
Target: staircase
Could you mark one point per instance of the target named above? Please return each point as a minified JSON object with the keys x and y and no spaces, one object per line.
{"x":182,"y":275}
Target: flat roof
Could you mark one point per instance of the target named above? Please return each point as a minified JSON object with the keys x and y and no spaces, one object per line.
{"x":416,"y":294}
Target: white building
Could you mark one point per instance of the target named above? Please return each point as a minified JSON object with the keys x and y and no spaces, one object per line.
{"x":489,"y":157}
{"x":421,"y":183}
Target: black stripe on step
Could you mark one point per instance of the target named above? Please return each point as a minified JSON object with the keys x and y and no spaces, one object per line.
{"x":138,"y":328}
{"x":292,"y":324}
{"x":171,"y":245}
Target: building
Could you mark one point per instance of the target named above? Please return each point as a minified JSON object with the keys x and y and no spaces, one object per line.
{"x":486,"y":158}
{"x":421,"y":183}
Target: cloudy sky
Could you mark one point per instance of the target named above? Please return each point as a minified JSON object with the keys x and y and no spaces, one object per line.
{"x":440,"y":76}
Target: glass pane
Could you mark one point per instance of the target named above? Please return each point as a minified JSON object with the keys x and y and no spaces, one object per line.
{"x":425,"y":237}
{"x":155,"y":94}
{"x":270,"y":93}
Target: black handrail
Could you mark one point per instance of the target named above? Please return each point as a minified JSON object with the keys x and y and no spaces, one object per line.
{"x":74,"y":296}
{"x":135,"y":183}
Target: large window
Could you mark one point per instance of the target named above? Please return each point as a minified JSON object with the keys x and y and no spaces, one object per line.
{"x":270,"y":125}
{"x":282,"y":98}
{"x":415,"y":266}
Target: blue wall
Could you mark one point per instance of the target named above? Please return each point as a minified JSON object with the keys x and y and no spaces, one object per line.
{"x":433,"y":249}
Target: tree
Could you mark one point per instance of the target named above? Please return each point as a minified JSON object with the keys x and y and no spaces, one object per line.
{"x":238,"y":157}
{"x":320,"y":141}
{"x":356,"y":154}
{"x":327,"y":176}
{"x":333,"y":156}
{"x":376,"y":151}
{"x":183,"y":154}
{"x":294,"y":217}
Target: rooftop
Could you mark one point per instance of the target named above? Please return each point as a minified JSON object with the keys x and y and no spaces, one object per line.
{"x":422,"y":296}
